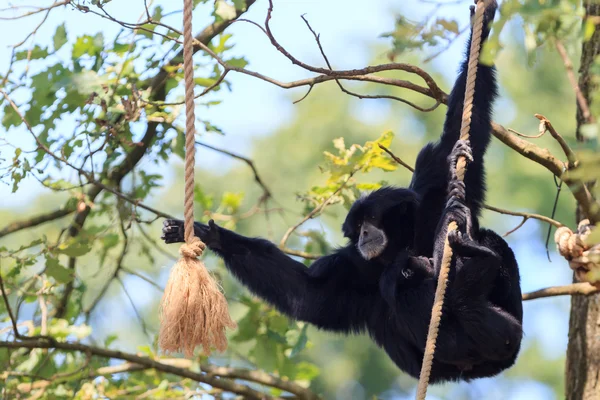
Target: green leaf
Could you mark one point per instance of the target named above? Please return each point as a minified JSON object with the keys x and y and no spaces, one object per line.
{"x":36,"y":53}
{"x":157,"y":14}
{"x":239,"y":5}
{"x":90,"y":45}
{"x":109,"y":241}
{"x":231,"y":202}
{"x":32,"y":361}
{"x":109,"y":340}
{"x":306,"y":371}
{"x":81,"y":331}
{"x":205,"y":200}
{"x":238,"y":62}
{"x":74,"y":248}
{"x":57,"y":271}
{"x":146,"y":350}
{"x":10,"y":117}
{"x":205,"y":82}
{"x":301,"y":343}
{"x":589,"y":27}
{"x":265,"y":353}
{"x":60,"y":37}
{"x":247,"y":326}
{"x":449,"y":25}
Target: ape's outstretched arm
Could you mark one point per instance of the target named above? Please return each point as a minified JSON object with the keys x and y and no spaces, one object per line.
{"x":333,"y":294}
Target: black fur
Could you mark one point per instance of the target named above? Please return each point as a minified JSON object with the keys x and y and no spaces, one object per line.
{"x":390,"y":296}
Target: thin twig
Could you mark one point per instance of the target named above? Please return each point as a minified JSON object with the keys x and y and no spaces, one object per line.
{"x":354,"y":94}
{"x":396,"y":158}
{"x":257,"y":178}
{"x":313,"y":212}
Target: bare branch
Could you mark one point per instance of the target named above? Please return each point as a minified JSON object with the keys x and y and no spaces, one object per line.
{"x":35,"y":221}
{"x":583,"y":289}
{"x":565,"y":147}
{"x":539,"y":217}
{"x":351,"y":93}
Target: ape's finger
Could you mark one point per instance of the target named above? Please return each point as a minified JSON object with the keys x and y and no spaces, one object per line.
{"x":172,"y":239}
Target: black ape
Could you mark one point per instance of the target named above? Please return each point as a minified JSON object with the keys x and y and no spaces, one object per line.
{"x":481,"y":328}
{"x":383,"y":281}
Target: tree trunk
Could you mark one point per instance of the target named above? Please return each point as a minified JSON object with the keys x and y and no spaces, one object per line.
{"x":583,"y":352}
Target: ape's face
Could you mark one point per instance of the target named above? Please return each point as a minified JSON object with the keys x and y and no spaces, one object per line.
{"x":376,"y":220}
{"x":372,"y":239}
{"x":363,"y":227}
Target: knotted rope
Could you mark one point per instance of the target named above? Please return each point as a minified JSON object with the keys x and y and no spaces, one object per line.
{"x":583,"y":258}
{"x":193,"y":309}
{"x":461,"y":167}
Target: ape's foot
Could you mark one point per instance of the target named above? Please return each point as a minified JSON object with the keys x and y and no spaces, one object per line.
{"x":464,"y":246}
{"x":172,"y":231}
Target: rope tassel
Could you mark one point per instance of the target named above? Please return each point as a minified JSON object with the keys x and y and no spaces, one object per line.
{"x":193,"y":310}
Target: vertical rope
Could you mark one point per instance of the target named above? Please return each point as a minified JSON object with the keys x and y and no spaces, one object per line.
{"x":194,"y":312}
{"x":190,"y":118}
{"x":461,"y":165}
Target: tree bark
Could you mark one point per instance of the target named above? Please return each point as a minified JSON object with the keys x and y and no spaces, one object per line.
{"x":583,"y":351}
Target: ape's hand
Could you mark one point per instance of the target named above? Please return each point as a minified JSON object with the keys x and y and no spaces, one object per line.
{"x":488,"y":16}
{"x":173,"y":232}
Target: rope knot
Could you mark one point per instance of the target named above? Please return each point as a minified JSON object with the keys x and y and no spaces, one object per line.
{"x":571,"y":245}
{"x":583,"y":258}
{"x":193,"y":249}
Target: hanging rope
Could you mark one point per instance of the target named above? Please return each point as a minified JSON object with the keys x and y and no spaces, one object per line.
{"x":193,"y":309}
{"x":461,"y":165}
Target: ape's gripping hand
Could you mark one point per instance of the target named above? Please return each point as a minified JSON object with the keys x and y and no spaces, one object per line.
{"x":173,"y":232}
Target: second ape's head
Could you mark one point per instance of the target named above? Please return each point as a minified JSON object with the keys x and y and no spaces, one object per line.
{"x":382,"y":220}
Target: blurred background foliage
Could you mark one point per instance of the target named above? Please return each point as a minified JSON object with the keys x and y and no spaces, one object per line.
{"x":86,"y":84}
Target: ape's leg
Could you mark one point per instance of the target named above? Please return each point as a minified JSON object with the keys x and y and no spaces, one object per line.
{"x":495,"y":332}
{"x":408,"y":287}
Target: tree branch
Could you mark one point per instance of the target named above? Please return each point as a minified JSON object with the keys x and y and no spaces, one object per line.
{"x":210,"y":379}
{"x":583,"y":289}
{"x":37,"y":220}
